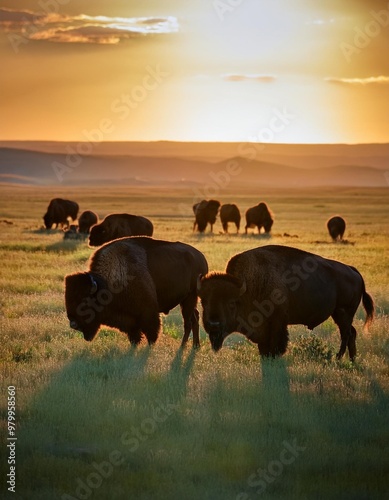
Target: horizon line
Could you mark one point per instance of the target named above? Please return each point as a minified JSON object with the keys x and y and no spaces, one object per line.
{"x":197,"y":142}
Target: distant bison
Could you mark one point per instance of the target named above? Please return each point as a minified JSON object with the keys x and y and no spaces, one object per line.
{"x":72,"y":233}
{"x":129,"y":282}
{"x":336,"y":227}
{"x":268,"y":288}
{"x":59,"y":211}
{"x":205,"y":213}
{"x":259,"y":216}
{"x":86,"y":220}
{"x":230,"y":213}
{"x":117,"y":226}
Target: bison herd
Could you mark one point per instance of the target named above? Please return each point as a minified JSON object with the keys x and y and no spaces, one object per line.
{"x":132,"y":278}
{"x":112,"y":227}
{"x":206,"y":212}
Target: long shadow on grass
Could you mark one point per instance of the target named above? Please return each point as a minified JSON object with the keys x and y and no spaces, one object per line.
{"x":95,"y":406}
{"x":183,"y":428}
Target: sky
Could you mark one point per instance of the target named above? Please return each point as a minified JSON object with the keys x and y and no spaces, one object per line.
{"x":277,"y":71}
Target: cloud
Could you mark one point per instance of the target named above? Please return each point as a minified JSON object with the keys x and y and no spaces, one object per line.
{"x":242,"y":78}
{"x":371,"y":80}
{"x":82,"y":28}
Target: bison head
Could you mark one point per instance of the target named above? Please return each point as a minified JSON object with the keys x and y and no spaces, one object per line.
{"x":99,"y":235}
{"x":268,"y":225}
{"x":48,"y":220}
{"x":82,"y":308}
{"x":220,"y":296}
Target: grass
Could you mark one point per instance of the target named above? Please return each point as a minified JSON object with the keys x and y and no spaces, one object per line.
{"x":102,"y":420}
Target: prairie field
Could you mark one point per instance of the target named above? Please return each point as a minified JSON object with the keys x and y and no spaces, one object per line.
{"x":104,"y":420}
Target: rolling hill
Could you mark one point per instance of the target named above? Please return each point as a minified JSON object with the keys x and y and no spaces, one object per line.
{"x":195,"y":165}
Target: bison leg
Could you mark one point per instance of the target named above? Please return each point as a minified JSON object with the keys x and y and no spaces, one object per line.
{"x":191,"y":320}
{"x":344,"y":322}
{"x":352,"y":348}
{"x":150,"y":326}
{"x":134,"y":336}
{"x":275,"y":341}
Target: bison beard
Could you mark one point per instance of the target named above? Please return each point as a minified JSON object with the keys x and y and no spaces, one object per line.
{"x":268,"y":288}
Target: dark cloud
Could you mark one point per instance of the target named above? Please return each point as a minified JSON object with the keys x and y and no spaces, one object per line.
{"x":83,"y":29}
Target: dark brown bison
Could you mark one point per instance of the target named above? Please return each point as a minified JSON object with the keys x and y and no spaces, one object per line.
{"x":268,"y":288}
{"x":336,"y":227}
{"x":230,"y":213}
{"x":118,"y":226}
{"x":129,"y":282}
{"x":86,"y":220}
{"x":59,"y":211}
{"x":205,"y":213}
{"x":259,"y":216}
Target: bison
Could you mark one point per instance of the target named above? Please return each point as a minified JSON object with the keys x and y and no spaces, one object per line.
{"x":118,"y":226}
{"x":205,"y":213}
{"x":59,"y":211}
{"x":259,"y":216}
{"x":129,"y":282}
{"x":268,"y":288}
{"x":336,"y":227}
{"x":229,"y":213}
{"x":86,"y":220}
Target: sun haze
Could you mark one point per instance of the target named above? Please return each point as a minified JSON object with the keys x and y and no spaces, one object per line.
{"x":222,"y":70}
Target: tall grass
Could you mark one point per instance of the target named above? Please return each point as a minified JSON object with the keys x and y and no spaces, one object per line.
{"x":103,"y":420}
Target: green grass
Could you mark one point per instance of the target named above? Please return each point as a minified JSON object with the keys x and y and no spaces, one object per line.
{"x":191,"y":424}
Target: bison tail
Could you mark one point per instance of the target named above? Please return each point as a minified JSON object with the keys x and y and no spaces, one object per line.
{"x":368,"y":305}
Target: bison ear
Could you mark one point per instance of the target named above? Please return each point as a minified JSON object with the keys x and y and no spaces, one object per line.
{"x":199,"y":282}
{"x":243,"y":288}
{"x":93,"y":284}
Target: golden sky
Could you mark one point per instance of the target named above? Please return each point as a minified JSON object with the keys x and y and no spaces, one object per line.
{"x":302,"y":71}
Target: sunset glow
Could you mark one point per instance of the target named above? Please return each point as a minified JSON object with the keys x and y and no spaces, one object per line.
{"x":267,"y":71}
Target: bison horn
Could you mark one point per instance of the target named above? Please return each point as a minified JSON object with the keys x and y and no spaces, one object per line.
{"x":243,"y":288}
{"x":199,"y":282}
{"x":93,"y":285}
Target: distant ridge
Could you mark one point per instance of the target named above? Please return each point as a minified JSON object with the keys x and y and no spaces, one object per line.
{"x":43,"y":168}
{"x":297,"y":155}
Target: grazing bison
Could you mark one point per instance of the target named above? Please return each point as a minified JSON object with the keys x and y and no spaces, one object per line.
{"x":129,"y":282}
{"x":117,"y":226}
{"x":336,"y":227}
{"x":58,"y":212}
{"x":259,"y":216}
{"x":268,"y":288}
{"x":86,"y":220}
{"x":205,"y":213}
{"x":230,"y":213}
